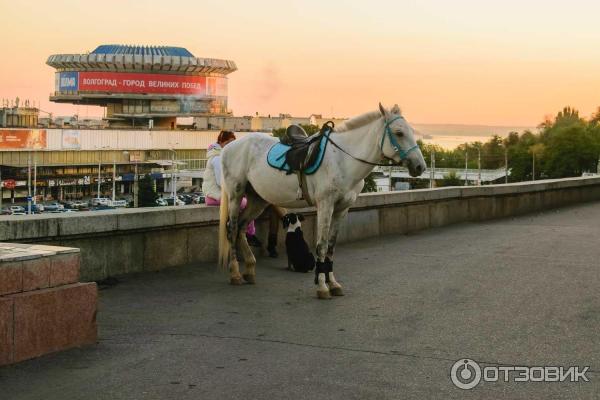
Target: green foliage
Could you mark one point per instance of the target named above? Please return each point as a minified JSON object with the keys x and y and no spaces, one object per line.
{"x":450,"y":179}
{"x":309,"y":129}
{"x":370,"y":185}
{"x":566,"y":145}
{"x":147,"y":196}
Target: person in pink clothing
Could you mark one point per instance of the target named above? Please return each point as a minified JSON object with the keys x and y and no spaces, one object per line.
{"x":211,"y":184}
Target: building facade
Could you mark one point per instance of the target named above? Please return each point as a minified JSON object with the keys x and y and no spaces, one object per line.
{"x":143,"y":86}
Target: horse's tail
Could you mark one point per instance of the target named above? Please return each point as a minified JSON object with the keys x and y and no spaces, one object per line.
{"x":224,"y":245}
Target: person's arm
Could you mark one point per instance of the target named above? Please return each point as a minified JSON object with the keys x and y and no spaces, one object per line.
{"x":216,"y":163}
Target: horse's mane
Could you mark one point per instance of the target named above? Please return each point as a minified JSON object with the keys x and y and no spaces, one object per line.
{"x":358,"y":121}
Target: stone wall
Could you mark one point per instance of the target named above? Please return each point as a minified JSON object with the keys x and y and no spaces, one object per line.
{"x":133,"y":240}
{"x":43,"y":307}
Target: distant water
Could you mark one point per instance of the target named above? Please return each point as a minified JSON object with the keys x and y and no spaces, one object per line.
{"x":451,"y":136}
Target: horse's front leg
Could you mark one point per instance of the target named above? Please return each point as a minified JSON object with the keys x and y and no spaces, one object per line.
{"x":324,"y":217}
{"x":334,"y":287}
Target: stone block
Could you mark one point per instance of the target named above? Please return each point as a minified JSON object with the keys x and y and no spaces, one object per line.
{"x":392,"y":220}
{"x":55,"y":249}
{"x":203,"y":244}
{"x":36,"y":273}
{"x":136,"y":219}
{"x":122,"y":256}
{"x":11,"y":277}
{"x":93,"y":256}
{"x":165,"y":248}
{"x":54,"y":319}
{"x":64,"y":269}
{"x":6,"y":330}
{"x":417,"y":217}
{"x":359,"y":225}
{"x":481,"y":208}
{"x":85,"y":223}
{"x":194,"y":214}
{"x":458,"y":211}
{"x":438,"y":214}
{"x":28,"y":227}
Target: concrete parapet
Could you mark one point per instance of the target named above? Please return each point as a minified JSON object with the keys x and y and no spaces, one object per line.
{"x":133,"y":240}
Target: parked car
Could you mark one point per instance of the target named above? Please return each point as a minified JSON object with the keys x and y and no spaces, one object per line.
{"x":78,"y":204}
{"x":198,"y":198}
{"x":53,"y":207}
{"x":96,"y":201}
{"x":6,"y":211}
{"x":37,"y":208}
{"x":161,"y":202}
{"x":16,"y":209}
{"x":186,"y":198}
{"x":101,"y":207}
{"x":178,"y":202}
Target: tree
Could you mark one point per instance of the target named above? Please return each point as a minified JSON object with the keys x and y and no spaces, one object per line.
{"x":451,"y":179}
{"x":147,"y":196}
{"x":309,"y":129}
{"x":370,"y":185}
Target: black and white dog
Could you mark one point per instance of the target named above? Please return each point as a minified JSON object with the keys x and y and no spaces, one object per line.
{"x":300,"y":259}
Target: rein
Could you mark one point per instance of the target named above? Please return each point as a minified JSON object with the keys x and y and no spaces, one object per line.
{"x":329,"y":125}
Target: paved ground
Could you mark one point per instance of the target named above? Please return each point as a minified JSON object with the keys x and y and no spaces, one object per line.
{"x":517,"y":291}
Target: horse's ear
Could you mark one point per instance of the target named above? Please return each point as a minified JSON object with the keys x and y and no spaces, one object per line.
{"x":383,"y":111}
{"x":396,"y":110}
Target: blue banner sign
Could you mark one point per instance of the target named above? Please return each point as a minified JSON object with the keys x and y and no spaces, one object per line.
{"x":68,"y":81}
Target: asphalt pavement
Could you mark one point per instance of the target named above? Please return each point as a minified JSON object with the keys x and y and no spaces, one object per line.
{"x":512,"y":292}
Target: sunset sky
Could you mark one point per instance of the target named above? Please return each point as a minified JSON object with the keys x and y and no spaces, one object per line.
{"x":470,"y":62}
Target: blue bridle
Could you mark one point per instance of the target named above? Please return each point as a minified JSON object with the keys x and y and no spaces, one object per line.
{"x":393,"y":141}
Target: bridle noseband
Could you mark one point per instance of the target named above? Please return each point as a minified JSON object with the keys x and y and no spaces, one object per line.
{"x":387,"y":132}
{"x":393,"y":141}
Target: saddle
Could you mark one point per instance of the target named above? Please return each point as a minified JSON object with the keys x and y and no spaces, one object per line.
{"x":304,"y":149}
{"x":300,"y":154}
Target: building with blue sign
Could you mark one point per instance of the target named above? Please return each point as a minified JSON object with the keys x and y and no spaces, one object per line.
{"x":143,"y":86}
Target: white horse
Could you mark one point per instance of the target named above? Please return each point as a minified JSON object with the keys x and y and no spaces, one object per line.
{"x":359,"y":144}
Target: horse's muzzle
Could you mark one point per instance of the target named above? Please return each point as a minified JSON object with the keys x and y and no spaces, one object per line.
{"x":416,"y":170}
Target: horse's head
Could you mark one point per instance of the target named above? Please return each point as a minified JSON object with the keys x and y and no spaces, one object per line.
{"x":398,"y":141}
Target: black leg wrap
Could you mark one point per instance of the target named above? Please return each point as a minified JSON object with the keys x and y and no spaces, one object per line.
{"x":323,"y":268}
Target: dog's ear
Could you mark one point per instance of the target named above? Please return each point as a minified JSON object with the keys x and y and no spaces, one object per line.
{"x":286,"y":221}
{"x":300,"y":217}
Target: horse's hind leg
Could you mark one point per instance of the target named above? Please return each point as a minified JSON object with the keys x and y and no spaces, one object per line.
{"x":254,"y":207}
{"x":235,"y":197}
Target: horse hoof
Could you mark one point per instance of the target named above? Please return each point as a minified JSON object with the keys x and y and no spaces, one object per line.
{"x":251,"y":279}
{"x":235,"y":281}
{"x":323,"y":295}
{"x":336,"y":291}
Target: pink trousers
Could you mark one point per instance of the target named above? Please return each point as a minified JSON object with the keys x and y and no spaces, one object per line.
{"x":251,"y":230}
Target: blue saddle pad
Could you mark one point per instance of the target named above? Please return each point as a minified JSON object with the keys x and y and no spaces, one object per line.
{"x":276,"y":157}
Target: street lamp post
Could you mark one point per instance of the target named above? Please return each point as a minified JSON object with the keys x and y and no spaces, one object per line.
{"x":99,"y":168}
{"x":173,"y":178}
{"x":466,"y":166}
{"x":34,"y":177}
{"x":114,"y":178}
{"x":29,"y":183}
{"x":479,"y":167}
{"x":135,"y":180}
{"x":135,"y":185}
